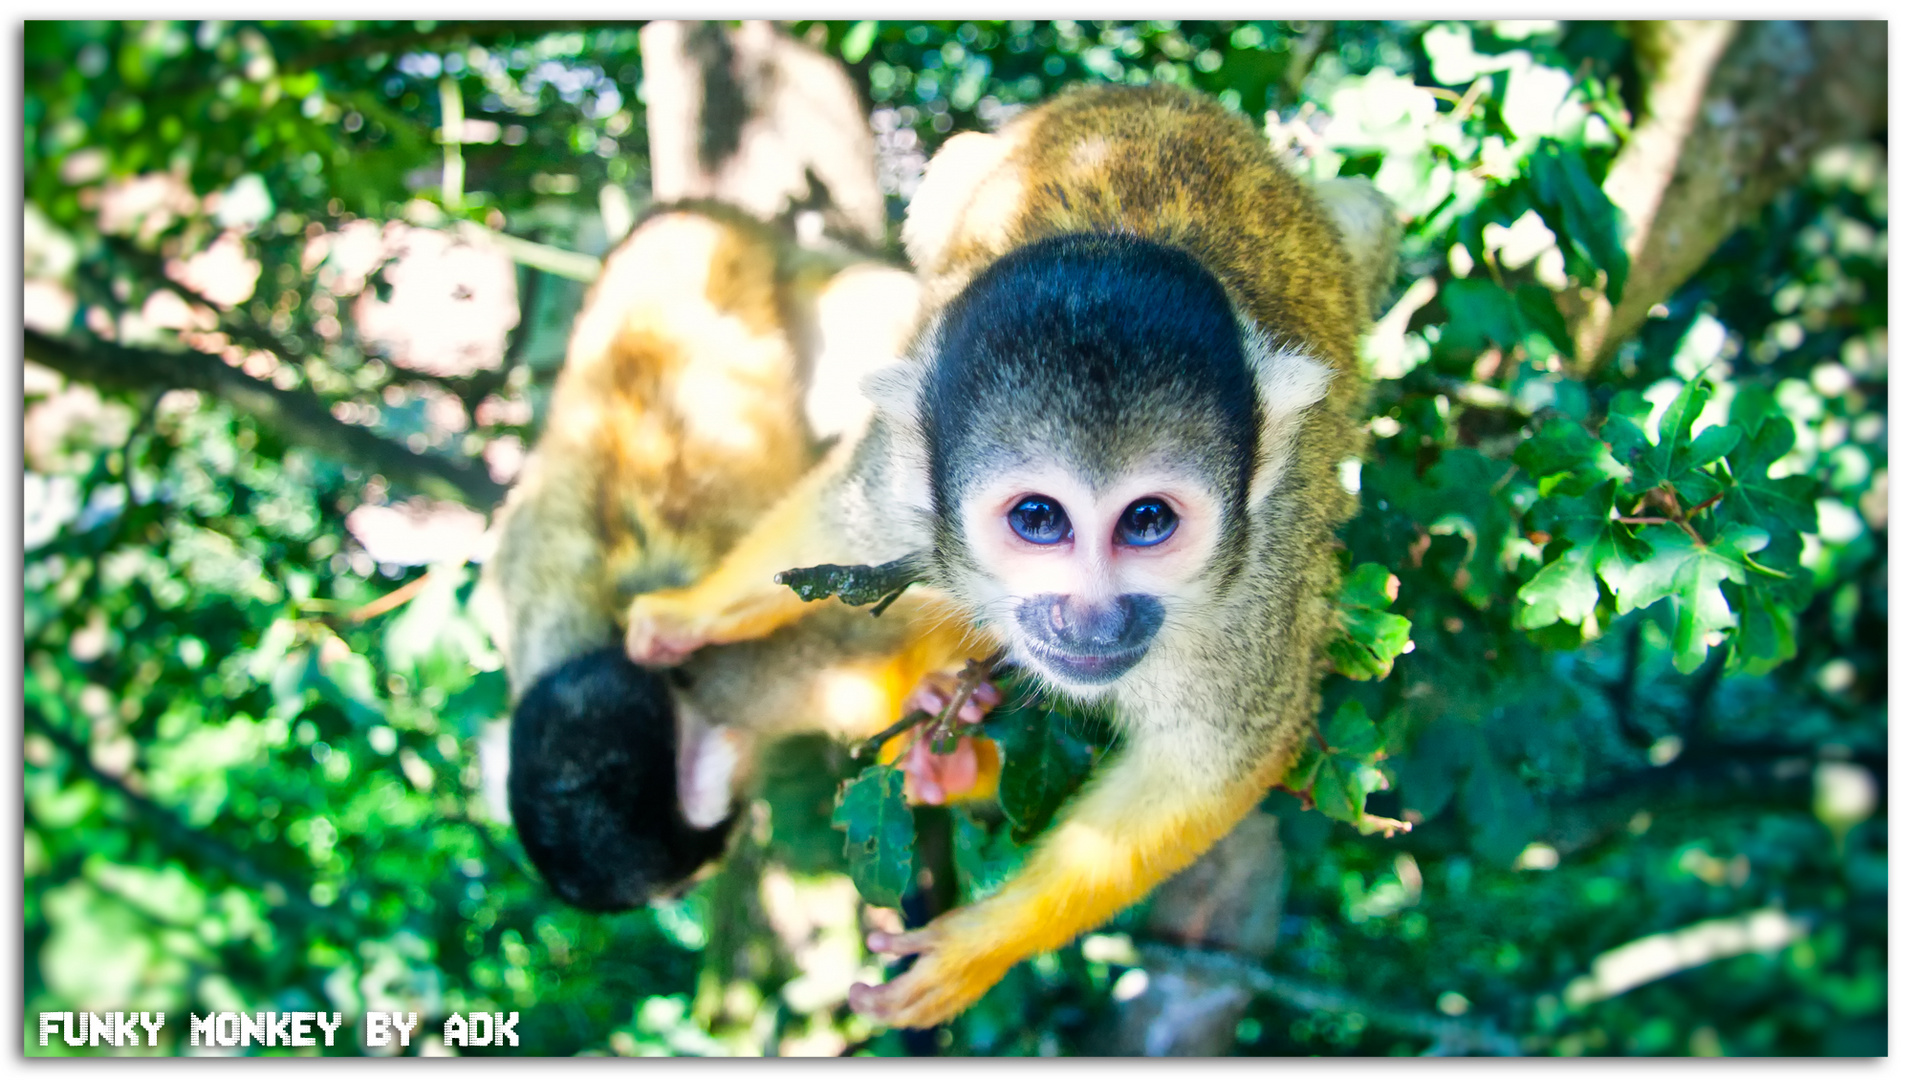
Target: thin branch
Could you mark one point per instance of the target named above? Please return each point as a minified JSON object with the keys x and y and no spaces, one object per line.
{"x":300,"y":416}
{"x":875,"y":742}
{"x":390,"y":600}
{"x":177,"y":832}
{"x":390,"y":43}
{"x":975,"y":673}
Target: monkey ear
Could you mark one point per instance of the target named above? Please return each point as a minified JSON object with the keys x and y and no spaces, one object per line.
{"x":1288,"y":382}
{"x":709,"y":757}
{"x":1370,"y":233}
{"x":896,"y":392}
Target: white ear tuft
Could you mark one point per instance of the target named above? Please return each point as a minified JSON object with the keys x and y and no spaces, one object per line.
{"x":895,"y":389}
{"x":1288,"y":382}
{"x":896,"y":392}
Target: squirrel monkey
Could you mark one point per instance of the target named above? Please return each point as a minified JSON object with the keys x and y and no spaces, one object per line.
{"x":709,"y":362}
{"x":1113,"y":446}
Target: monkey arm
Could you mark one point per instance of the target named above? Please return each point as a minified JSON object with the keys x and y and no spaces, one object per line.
{"x":1141,"y":821}
{"x":740,"y":600}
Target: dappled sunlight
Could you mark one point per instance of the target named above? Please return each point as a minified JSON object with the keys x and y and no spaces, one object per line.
{"x":1613,"y":611}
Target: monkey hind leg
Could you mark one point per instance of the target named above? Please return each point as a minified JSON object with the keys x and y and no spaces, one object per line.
{"x":594,"y":785}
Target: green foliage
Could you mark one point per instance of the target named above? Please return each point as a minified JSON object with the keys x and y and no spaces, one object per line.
{"x":880,"y":831}
{"x":855,"y":585}
{"x":1335,"y":771}
{"x":1646,"y":594}
{"x":1371,"y":637}
{"x":1046,"y":757}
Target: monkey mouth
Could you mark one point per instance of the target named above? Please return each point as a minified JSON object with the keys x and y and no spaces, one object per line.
{"x":1093,"y":669}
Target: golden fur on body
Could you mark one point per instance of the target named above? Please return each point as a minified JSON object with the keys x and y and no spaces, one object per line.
{"x":1218,"y":718}
{"x":706,"y":365}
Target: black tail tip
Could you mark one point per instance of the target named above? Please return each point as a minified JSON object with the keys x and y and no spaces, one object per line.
{"x":593,"y":785}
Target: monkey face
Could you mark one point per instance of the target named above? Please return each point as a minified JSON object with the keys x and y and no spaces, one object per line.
{"x":1098,"y":420}
{"x":1080,"y":578}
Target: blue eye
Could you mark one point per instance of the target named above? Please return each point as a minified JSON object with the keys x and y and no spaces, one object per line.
{"x":1145,"y":523}
{"x":1040,"y":520}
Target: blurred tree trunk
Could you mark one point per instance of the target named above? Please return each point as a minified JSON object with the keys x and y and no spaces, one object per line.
{"x":752,"y":117}
{"x":1734,"y":113}
{"x":1229,"y":901}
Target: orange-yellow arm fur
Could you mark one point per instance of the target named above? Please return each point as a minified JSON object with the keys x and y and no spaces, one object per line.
{"x":1139,"y":822}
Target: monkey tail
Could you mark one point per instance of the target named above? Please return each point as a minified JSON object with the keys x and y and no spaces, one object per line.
{"x":593,"y":784}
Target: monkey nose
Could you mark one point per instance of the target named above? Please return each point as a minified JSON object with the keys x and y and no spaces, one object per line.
{"x":1093,"y":624}
{"x":1082,"y":626}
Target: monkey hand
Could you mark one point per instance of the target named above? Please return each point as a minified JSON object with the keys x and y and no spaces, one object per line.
{"x":663,"y":629}
{"x":958,"y":958}
{"x":968,"y":771}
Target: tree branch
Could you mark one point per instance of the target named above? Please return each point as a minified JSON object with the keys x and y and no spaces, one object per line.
{"x":752,"y":117}
{"x":366,"y":44}
{"x":1450,"y":1036}
{"x":300,"y":416}
{"x":1734,"y":114}
{"x":180,"y":834}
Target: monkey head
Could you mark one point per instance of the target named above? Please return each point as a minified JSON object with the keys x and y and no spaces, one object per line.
{"x":1098,"y":422}
{"x":594,"y":785}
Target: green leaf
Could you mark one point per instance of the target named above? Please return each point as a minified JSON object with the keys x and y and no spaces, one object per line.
{"x":881,"y":834}
{"x":855,"y":585}
{"x":1461,"y":495}
{"x":1767,"y":630}
{"x":1579,"y":212}
{"x":984,"y":858}
{"x":1479,"y":313}
{"x":1339,"y":778}
{"x":1537,"y":310}
{"x":1690,"y":574}
{"x":1601,"y":549}
{"x":1371,"y":637}
{"x":1337,"y":789}
{"x":856,"y":43}
{"x":1043,"y":764}
{"x":1756,"y":498}
{"x":1562,"y":457}
{"x":1678,"y":459}
{"x":1563,"y":591}
{"x":1301,"y":775}
{"x":1351,"y":734}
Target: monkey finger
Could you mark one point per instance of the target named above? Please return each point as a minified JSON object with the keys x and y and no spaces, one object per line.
{"x":931,"y":695}
{"x":956,"y":771}
{"x":920,"y":784}
{"x":864,"y":998}
{"x":889,"y":1004}
{"x":921,"y":997}
{"x":907,"y":943}
{"x":984,"y":698}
